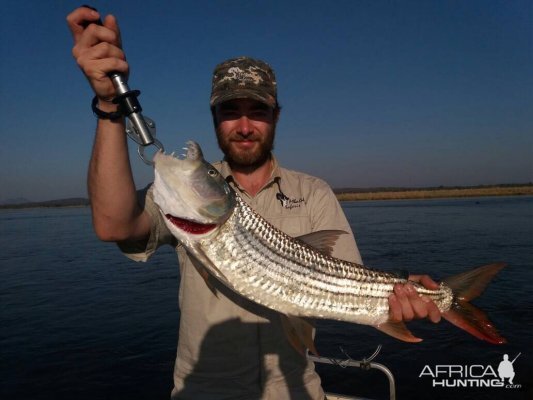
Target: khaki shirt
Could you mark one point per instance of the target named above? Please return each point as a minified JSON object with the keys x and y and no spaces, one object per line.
{"x":229,"y":347}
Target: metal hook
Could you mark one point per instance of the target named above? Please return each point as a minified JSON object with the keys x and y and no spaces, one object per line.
{"x":135,"y":135}
{"x":140,"y":151}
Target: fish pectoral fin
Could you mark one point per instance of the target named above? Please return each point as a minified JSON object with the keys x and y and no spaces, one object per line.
{"x":206,"y":276}
{"x":398,"y":330}
{"x":206,"y":269}
{"x":204,"y":273}
{"x":323,"y":241}
{"x":300,"y":333}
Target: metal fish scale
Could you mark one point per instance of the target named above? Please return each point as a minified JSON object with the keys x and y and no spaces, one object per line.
{"x":273,"y":269}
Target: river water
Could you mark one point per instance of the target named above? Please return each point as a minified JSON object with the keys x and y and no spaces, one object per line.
{"x":79,"y":320}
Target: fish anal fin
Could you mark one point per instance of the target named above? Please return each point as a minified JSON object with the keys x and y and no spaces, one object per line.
{"x":299,"y":333}
{"x":322,"y":241}
{"x":398,"y":330}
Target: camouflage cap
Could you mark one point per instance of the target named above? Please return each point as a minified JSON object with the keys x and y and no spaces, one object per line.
{"x":244,"y":78}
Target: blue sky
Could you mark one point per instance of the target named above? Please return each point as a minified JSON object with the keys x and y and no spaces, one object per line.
{"x":374,"y":93}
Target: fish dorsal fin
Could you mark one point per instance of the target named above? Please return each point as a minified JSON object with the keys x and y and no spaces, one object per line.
{"x":299,"y":333}
{"x":323,"y":241}
{"x":401,"y":273}
{"x":399,"y":331}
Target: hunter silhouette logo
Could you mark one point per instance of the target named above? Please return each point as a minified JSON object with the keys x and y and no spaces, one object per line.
{"x":476,"y":375}
{"x":506,"y":369}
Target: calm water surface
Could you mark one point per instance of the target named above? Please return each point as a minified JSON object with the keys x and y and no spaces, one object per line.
{"x":79,"y":320}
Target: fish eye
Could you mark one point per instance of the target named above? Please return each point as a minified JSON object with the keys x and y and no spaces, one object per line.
{"x":212,"y":172}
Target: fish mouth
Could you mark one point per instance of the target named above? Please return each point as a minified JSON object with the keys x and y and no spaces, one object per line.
{"x":192,"y":227}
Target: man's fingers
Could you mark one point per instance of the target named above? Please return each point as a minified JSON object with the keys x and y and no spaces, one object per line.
{"x":95,"y":34}
{"x":99,"y":69}
{"x":416,"y":303}
{"x":428,"y":283}
{"x":395,"y":309}
{"x":98,"y":60}
{"x":401,"y":295}
{"x":97,"y":48}
{"x":420,"y":308}
{"x":87,"y":33}
{"x":433,"y":311}
{"x":110,"y":22}
{"x":424,"y":280}
{"x":103,"y":50}
{"x":406,"y":304}
{"x":77,"y":21}
{"x":99,"y":37}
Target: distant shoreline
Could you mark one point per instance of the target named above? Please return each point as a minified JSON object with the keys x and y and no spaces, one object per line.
{"x":352,"y":194}
{"x":435,"y":193}
{"x":60,"y":203}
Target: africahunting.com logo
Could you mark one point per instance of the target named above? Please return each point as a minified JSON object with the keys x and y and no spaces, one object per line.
{"x":475,"y":375}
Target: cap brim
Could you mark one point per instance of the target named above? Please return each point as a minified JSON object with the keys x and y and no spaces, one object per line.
{"x":243,"y":94}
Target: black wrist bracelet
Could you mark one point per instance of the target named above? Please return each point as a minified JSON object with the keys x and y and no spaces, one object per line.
{"x":104,"y":115}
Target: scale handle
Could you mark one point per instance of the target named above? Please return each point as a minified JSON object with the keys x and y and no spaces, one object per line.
{"x":127,"y":100}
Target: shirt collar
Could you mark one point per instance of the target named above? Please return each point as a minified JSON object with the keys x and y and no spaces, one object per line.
{"x":226,"y":172}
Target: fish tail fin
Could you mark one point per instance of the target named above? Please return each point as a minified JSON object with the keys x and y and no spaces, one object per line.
{"x":466,"y":287}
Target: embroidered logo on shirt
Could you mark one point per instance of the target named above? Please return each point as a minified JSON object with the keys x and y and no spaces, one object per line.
{"x":289,"y":203}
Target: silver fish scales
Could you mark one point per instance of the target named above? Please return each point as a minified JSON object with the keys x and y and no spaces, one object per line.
{"x":296,"y":279}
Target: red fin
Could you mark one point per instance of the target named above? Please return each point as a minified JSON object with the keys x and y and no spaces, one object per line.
{"x":399,"y":331}
{"x":470,"y":318}
{"x":468,"y":286}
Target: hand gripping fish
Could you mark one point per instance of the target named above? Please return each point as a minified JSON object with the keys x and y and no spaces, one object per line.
{"x":295,"y":276}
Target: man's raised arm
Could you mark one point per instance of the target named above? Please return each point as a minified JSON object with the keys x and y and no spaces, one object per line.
{"x":115,"y":210}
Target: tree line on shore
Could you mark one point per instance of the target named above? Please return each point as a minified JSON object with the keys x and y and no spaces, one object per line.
{"x":346,"y":194}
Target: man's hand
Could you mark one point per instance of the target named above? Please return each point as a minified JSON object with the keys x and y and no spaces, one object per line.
{"x":97,"y":50}
{"x":406,"y":304}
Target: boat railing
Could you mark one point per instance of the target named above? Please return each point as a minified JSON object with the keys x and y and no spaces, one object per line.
{"x":365,"y":364}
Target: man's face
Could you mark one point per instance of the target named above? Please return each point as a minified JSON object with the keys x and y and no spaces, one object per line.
{"x":245,"y":132}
